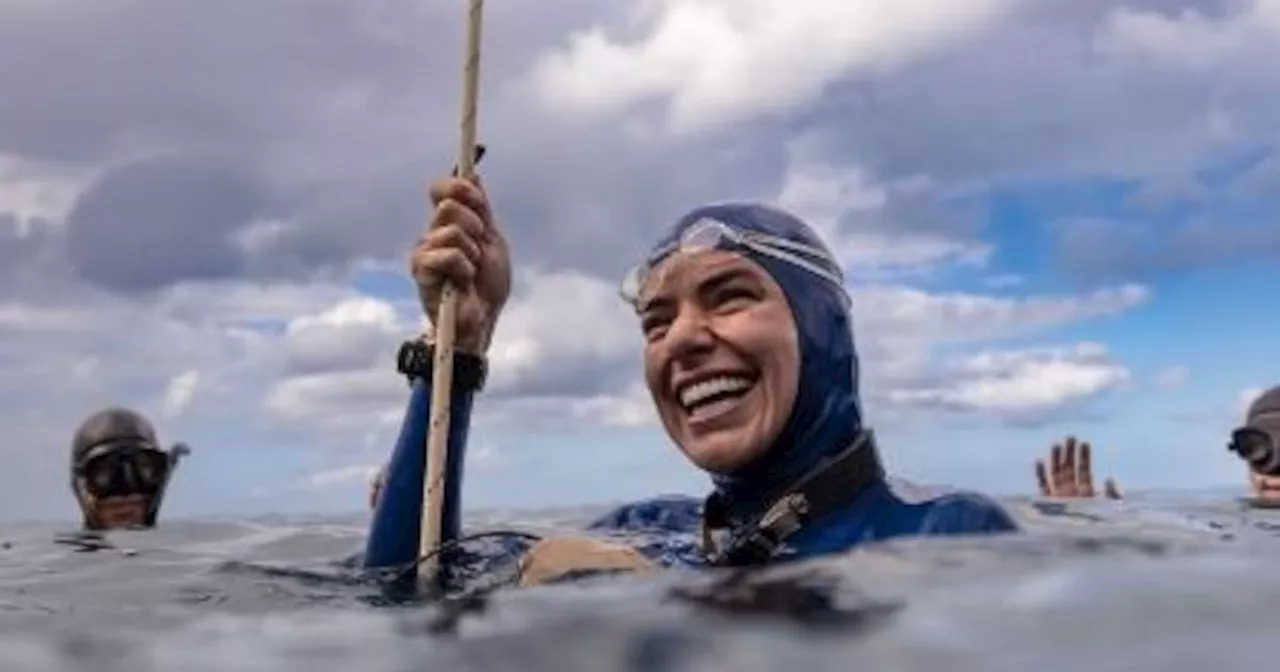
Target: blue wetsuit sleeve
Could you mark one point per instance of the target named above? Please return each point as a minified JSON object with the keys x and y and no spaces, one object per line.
{"x":967,"y":514}
{"x":393,"y":536}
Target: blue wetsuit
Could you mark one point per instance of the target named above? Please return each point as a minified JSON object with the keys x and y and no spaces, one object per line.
{"x":826,"y":419}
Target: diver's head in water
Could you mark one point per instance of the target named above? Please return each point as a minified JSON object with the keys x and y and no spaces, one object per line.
{"x":1258,"y":442}
{"x":749,"y":352}
{"x":118,"y":470}
{"x":1264,"y":412}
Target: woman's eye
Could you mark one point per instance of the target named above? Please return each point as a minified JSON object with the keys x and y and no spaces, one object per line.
{"x":654,"y":327}
{"x":733,"y":297}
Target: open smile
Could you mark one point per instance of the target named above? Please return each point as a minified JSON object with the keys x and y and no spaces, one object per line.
{"x":710,"y":396}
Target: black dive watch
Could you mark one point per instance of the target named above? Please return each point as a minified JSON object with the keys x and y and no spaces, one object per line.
{"x":416,"y":361}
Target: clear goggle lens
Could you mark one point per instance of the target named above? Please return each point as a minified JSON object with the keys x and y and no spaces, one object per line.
{"x":709,"y":234}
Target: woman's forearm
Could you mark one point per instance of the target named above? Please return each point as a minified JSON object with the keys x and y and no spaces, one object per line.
{"x":397,"y":521}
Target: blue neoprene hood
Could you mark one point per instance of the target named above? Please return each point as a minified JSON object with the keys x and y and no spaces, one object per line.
{"x":827,"y":415}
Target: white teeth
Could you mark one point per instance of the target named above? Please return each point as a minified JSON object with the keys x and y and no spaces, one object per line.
{"x":699,"y":392}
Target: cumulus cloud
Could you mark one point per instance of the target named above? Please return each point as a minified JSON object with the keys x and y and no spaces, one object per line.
{"x":877,"y":228}
{"x":1192,"y":37}
{"x":358,"y":332}
{"x":716,"y":62}
{"x":1019,"y":384}
{"x":899,"y":312}
{"x":178,"y":394}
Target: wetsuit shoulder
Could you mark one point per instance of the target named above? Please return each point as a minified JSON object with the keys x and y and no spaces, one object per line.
{"x":670,"y":513}
{"x":965,"y":513}
{"x":665,"y":529}
{"x":880,"y":514}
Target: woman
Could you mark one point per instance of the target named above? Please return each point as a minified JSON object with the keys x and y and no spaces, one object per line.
{"x":749,"y":357}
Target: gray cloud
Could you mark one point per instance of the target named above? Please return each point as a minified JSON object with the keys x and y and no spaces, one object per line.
{"x":344,"y":110}
{"x":155,"y":222}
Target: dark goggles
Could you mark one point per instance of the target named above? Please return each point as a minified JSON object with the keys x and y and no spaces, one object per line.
{"x":1257,"y":447}
{"x":121,"y":470}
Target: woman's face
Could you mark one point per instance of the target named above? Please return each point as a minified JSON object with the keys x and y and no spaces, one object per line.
{"x":721,"y":356}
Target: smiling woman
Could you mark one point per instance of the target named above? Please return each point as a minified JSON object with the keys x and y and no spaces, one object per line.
{"x":721,"y":405}
{"x":749,"y":357}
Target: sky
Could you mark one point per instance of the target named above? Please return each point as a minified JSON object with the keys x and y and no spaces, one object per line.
{"x":1057,"y":216}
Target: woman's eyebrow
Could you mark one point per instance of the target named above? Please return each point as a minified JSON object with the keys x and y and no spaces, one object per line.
{"x":653,"y":303}
{"x":719,"y":279}
{"x":714,"y":280}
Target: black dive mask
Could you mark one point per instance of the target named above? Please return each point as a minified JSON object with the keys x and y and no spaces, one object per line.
{"x":1257,"y":447}
{"x":122,"y":469}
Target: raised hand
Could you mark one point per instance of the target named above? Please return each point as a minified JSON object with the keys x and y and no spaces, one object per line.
{"x":1070,"y":472}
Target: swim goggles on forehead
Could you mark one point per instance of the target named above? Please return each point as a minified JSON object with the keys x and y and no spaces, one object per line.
{"x":710,"y":234}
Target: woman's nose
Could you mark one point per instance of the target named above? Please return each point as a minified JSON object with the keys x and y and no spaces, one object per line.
{"x":690,"y":333}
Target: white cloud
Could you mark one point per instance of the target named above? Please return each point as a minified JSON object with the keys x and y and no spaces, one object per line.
{"x":356,"y":332}
{"x":341,"y":476}
{"x":560,"y":331}
{"x":20,"y":316}
{"x":718,"y":62}
{"x":32,"y":191}
{"x":178,"y":394}
{"x":1019,"y":384}
{"x":829,"y":196}
{"x":904,"y":313}
{"x":349,"y":399}
{"x":1189,"y":38}
{"x":560,"y":319}
{"x":1172,"y":378}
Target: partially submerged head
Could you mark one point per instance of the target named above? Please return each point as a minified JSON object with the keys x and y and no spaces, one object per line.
{"x":118,"y":470}
{"x":1264,"y":412}
{"x":749,"y":352}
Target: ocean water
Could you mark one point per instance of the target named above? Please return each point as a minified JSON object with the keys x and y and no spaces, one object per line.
{"x":1163,"y":581}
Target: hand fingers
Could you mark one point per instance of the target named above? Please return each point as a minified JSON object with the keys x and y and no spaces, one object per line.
{"x":465,"y":193}
{"x":452,"y":238}
{"x":445,"y":254}
{"x":1084,"y":470}
{"x":1042,"y":478}
{"x":1069,"y":454}
{"x":1055,"y":466}
{"x":453,"y":213}
{"x":433,"y":267}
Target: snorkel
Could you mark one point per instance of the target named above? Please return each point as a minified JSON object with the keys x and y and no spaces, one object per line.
{"x":826,"y":417}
